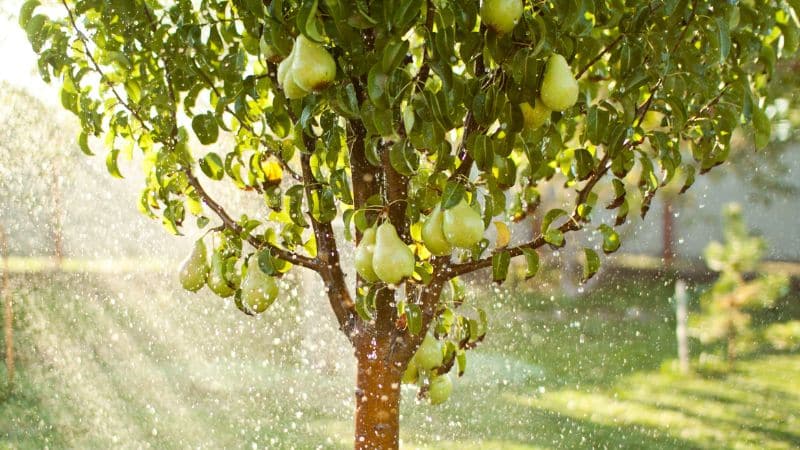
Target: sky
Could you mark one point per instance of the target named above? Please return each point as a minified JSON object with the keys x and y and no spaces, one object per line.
{"x":19,"y":60}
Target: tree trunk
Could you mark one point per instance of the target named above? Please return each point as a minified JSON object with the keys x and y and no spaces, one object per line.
{"x":377,"y":417}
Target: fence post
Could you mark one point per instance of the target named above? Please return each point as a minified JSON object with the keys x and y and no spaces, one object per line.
{"x":682,"y":315}
{"x":8,"y":313}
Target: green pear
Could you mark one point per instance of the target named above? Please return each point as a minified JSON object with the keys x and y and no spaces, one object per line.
{"x":364,"y":255}
{"x":411,"y":374}
{"x":392,"y":260}
{"x":286,"y":78}
{"x":433,"y":236}
{"x":501,"y":15}
{"x":259,"y":290}
{"x":284,"y":66}
{"x":216,"y":277}
{"x":194,"y":269}
{"x":462,"y":225}
{"x":559,"y":87}
{"x":440,"y":389}
{"x":534,"y":116}
{"x":429,"y":355}
{"x":313,"y":68}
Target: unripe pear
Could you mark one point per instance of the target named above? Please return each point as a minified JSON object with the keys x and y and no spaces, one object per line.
{"x":313,"y":68}
{"x":440,"y":389}
{"x":411,"y":375}
{"x":392,"y":260}
{"x":216,"y":277}
{"x":433,"y":236}
{"x":501,"y":15}
{"x":364,"y":255}
{"x":194,"y":269}
{"x":284,"y":66}
{"x":286,"y":76}
{"x":259,"y":290}
{"x":559,"y":87}
{"x":429,"y":355}
{"x":534,"y":116}
{"x":462,"y":225}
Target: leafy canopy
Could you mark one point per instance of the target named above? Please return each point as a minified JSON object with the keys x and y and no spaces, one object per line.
{"x":424,"y":110}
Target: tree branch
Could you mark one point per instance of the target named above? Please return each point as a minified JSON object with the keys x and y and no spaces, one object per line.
{"x":255,"y":241}
{"x":605,"y":50}
{"x":97,"y":68}
{"x":328,"y":255}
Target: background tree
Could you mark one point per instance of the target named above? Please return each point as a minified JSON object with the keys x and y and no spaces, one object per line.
{"x":726,"y":307}
{"x":383,"y":112}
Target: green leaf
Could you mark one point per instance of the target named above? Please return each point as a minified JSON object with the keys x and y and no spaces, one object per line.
{"x":452,"y":195}
{"x":762,"y":126}
{"x":307,"y":20}
{"x":403,"y":158}
{"x":212,"y":166}
{"x":26,"y":11}
{"x":365,"y":304}
{"x":393,"y":55}
{"x":611,"y":241}
{"x":554,"y":237}
{"x":724,"y":39}
{"x":551,"y":216}
{"x":414,"y":318}
{"x":83,"y":143}
{"x":500,"y":262}
{"x":690,"y":176}
{"x":461,"y":359}
{"x":111,"y":163}
{"x":265,"y":262}
{"x":592,"y":264}
{"x":206,"y":128}
{"x":532,"y":261}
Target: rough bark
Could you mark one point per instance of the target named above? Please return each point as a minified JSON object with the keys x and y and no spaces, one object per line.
{"x":377,"y":417}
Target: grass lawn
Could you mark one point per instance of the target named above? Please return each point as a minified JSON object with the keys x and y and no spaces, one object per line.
{"x":110,"y":362}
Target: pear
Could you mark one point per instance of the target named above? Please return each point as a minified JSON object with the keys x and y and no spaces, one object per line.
{"x":432,"y":235}
{"x":216,"y":277}
{"x":559,"y":87}
{"x":313,"y":68}
{"x":411,"y":375}
{"x":364,"y":255}
{"x":462,"y":225}
{"x":501,"y":15}
{"x":286,"y":78}
{"x":534,"y":116}
{"x":392,"y":260}
{"x":284,"y":66}
{"x":194,"y":269}
{"x":259,"y":290}
{"x":440,"y":389}
{"x":429,"y":355}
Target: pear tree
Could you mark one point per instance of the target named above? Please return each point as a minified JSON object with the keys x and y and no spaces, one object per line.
{"x":415,"y":126}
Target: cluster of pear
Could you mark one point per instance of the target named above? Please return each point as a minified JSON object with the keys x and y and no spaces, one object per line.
{"x":559,"y":92}
{"x":258,"y":290}
{"x":383,"y":256}
{"x":429,"y":357}
{"x":460,"y":226}
{"x":309,"y":67}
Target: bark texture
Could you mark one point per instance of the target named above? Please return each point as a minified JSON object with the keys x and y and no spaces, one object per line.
{"x":377,"y":418}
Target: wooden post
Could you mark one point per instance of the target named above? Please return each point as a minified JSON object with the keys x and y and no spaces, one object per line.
{"x":682,"y":315}
{"x":8,"y":312}
{"x":668,"y":233}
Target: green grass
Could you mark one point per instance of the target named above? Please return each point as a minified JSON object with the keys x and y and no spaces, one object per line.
{"x":108,"y":362}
